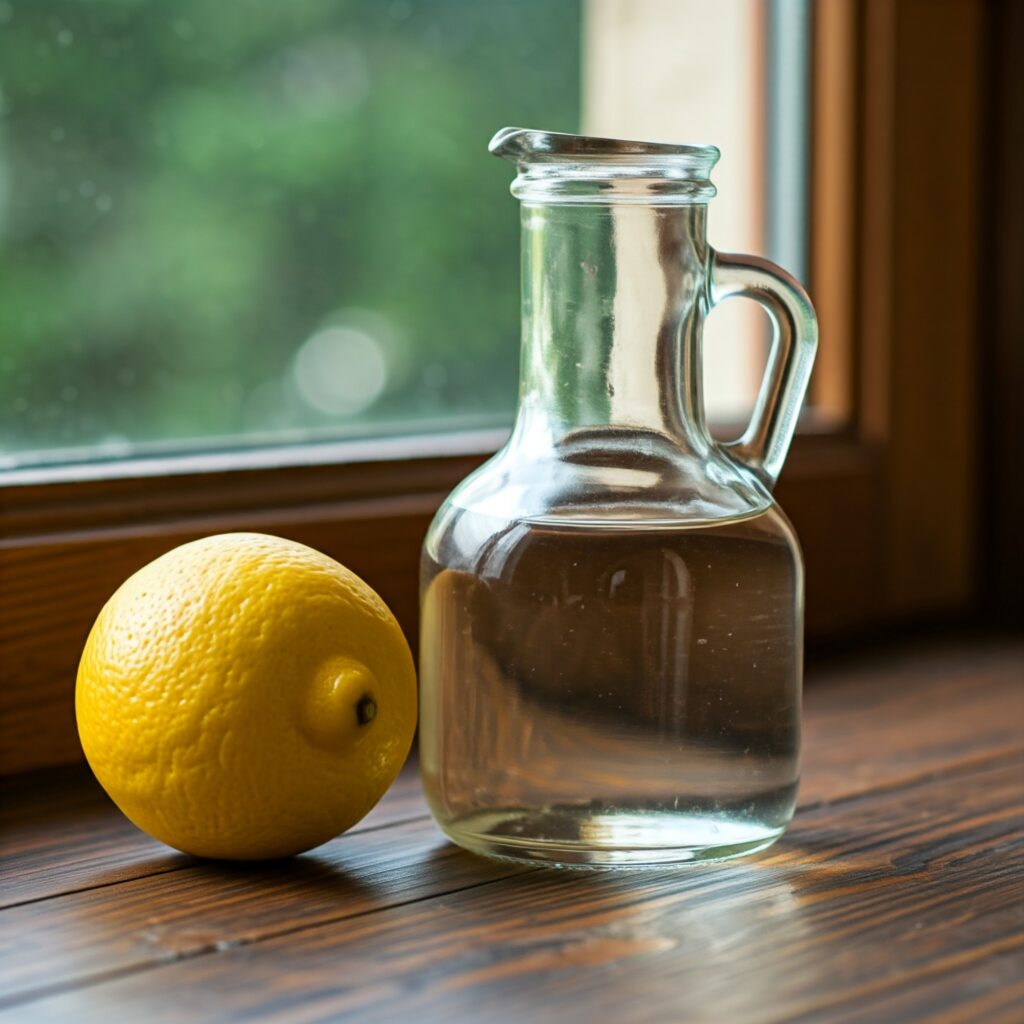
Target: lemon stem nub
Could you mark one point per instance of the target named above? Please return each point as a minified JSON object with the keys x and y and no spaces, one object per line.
{"x":366,"y":710}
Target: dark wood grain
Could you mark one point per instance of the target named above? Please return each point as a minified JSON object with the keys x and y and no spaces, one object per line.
{"x":989,"y":990}
{"x":889,"y":717}
{"x":173,"y":915}
{"x":60,"y":833}
{"x":865,"y":896}
{"x":898,"y":889}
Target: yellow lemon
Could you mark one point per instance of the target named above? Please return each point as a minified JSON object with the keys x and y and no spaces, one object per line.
{"x":245,"y":697}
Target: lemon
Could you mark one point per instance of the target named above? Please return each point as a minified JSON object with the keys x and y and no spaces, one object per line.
{"x":245,"y":697}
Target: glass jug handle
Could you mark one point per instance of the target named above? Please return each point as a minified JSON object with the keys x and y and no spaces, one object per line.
{"x":762,"y":447}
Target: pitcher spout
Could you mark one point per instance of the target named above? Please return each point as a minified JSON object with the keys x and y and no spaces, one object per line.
{"x":557,"y":166}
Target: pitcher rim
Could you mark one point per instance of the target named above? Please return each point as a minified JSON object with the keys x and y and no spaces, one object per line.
{"x":559,"y":167}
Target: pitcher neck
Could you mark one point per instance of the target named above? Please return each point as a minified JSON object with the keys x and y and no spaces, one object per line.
{"x":614,"y":299}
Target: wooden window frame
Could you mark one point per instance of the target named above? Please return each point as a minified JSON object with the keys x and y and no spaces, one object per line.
{"x":880,"y":482}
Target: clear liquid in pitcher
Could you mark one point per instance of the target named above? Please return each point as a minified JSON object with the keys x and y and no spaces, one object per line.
{"x":596,"y":695}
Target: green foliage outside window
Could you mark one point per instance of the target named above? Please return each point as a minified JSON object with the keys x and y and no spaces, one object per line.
{"x":263,"y":218}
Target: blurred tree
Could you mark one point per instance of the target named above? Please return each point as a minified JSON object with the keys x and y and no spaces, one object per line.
{"x":262,"y":218}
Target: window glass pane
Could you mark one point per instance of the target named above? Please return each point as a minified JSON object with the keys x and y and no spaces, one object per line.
{"x":269,"y":218}
{"x":264,"y":222}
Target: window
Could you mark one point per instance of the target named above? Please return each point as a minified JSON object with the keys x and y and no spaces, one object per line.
{"x":217,"y":235}
{"x":831,"y":110}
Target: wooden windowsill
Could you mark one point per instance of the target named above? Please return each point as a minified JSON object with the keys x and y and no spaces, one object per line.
{"x":65,"y":547}
{"x":895,"y":896}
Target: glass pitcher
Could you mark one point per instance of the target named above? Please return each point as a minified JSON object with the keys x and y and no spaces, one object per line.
{"x":612,"y":606}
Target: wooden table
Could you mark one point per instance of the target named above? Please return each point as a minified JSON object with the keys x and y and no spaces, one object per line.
{"x":897,"y":895}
